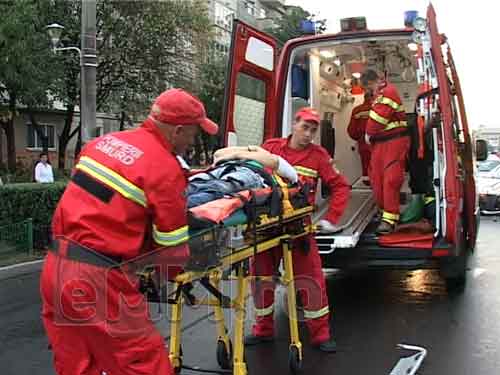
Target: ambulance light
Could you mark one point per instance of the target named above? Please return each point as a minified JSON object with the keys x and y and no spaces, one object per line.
{"x":353,"y":24}
{"x":410,"y":17}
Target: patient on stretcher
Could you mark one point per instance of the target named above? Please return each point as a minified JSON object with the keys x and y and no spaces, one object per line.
{"x":237,"y":169}
{"x":239,"y":175}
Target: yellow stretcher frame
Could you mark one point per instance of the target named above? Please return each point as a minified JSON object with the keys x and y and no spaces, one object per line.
{"x":237,"y":259}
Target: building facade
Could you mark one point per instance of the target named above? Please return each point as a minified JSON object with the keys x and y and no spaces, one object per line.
{"x":257,"y":13}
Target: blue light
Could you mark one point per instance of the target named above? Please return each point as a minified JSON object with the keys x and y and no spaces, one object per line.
{"x":410,"y":17}
{"x":308,"y":27}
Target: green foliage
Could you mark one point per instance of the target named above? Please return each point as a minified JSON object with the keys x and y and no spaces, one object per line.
{"x":30,"y":200}
{"x":288,"y":26}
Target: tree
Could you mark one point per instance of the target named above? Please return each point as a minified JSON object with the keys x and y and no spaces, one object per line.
{"x":143,"y":48}
{"x":26,"y":66}
{"x":289,"y":26}
{"x":211,"y":93}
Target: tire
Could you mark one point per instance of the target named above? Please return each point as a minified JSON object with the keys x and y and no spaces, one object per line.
{"x":294,"y":360}
{"x":454,"y":269}
{"x":224,"y":356}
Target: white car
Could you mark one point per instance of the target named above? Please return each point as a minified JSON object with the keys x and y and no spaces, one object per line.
{"x":489,"y":191}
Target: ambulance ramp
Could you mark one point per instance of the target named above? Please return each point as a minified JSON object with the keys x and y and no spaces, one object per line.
{"x":357,"y":216}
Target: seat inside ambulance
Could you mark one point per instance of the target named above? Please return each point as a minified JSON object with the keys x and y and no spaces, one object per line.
{"x":326,"y":77}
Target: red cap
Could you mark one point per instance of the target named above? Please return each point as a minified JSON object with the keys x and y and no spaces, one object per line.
{"x":178,"y":107}
{"x":308,"y":114}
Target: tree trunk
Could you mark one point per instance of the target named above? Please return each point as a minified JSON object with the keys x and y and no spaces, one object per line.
{"x":65,"y":137}
{"x":8,"y":128}
{"x":44,"y":137}
{"x":78,"y":147}
{"x":122,"y":121}
{"x":10,"y":134}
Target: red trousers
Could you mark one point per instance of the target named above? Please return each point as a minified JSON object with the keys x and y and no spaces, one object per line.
{"x":387,"y":171}
{"x":365,"y":155}
{"x":96,"y":320}
{"x":309,"y":282}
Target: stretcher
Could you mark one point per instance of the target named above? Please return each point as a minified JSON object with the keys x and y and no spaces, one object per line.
{"x":214,"y":257}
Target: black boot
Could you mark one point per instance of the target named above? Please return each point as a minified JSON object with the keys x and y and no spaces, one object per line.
{"x":329,"y":346}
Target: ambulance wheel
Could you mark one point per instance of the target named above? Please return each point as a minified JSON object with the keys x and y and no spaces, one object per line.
{"x":294,"y":360}
{"x":224,"y":354}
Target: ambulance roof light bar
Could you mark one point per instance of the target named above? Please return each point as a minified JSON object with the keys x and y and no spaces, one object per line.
{"x":353,"y":24}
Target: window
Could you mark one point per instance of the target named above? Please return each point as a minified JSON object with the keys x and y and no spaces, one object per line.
{"x":249,"y":110}
{"x":35,"y":141}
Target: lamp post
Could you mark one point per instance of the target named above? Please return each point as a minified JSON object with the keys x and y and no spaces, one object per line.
{"x":88,"y":65}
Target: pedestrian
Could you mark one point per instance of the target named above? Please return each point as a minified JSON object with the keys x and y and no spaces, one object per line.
{"x":311,"y":163}
{"x":124,"y":208}
{"x":357,"y":131}
{"x":43,"y":170}
{"x":387,"y":132}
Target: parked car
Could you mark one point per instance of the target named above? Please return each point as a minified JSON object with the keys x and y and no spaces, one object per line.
{"x":485,"y":167}
{"x":489,"y":191}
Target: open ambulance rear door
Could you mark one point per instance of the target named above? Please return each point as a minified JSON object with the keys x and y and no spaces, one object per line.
{"x":250,"y":100}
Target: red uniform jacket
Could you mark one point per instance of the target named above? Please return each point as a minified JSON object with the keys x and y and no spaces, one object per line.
{"x":312,"y":163}
{"x":387,"y":115}
{"x":126,"y":195}
{"x":357,"y":125}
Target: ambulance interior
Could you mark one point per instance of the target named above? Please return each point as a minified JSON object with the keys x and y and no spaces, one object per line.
{"x":326,"y":77}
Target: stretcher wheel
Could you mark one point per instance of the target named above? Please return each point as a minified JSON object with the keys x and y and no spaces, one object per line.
{"x":224,"y":354}
{"x":178,"y":369}
{"x":294,"y":360}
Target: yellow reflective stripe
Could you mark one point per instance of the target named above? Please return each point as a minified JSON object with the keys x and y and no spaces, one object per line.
{"x":390,"y":218}
{"x":308,"y":314}
{"x":172,"y":238}
{"x":306,"y":171}
{"x":363,"y":114}
{"x":428,"y":200}
{"x":265,"y":311}
{"x":396,"y":124}
{"x":375,"y":116}
{"x":112,"y":179}
{"x":389,"y":102}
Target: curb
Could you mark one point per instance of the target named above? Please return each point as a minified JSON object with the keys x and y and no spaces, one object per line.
{"x":19,"y":269}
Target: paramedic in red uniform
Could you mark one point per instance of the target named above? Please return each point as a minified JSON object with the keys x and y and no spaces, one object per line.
{"x":387,"y":132}
{"x":311,"y":163}
{"x":357,"y":129}
{"x":125,"y":200}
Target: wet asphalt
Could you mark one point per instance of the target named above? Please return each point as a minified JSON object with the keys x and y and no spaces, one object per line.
{"x":373,"y":312}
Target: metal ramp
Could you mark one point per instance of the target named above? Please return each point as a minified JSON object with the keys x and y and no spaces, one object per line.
{"x":358,"y":215}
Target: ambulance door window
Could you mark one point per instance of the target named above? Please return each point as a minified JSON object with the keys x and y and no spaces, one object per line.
{"x":249,"y":110}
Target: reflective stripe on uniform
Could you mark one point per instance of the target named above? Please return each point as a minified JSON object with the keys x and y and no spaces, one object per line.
{"x":381,"y":120}
{"x":390,"y":218}
{"x":265,"y":311}
{"x":112,"y":179}
{"x":363,"y":114}
{"x":429,"y":199}
{"x":306,"y":171}
{"x":396,"y":124}
{"x":171,"y":238}
{"x":389,"y":102}
{"x":308,"y":314}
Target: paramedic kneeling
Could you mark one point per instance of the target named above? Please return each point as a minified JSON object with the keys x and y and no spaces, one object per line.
{"x":311,"y":162}
{"x":125,"y":200}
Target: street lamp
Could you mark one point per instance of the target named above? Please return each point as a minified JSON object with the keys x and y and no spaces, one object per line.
{"x":88,"y":65}
{"x":55,"y":31}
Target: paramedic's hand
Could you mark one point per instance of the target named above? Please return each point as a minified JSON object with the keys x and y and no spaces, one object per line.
{"x":325,"y":226}
{"x":367,"y":139}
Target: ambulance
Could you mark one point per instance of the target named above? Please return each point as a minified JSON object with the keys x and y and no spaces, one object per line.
{"x":266,"y":85}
